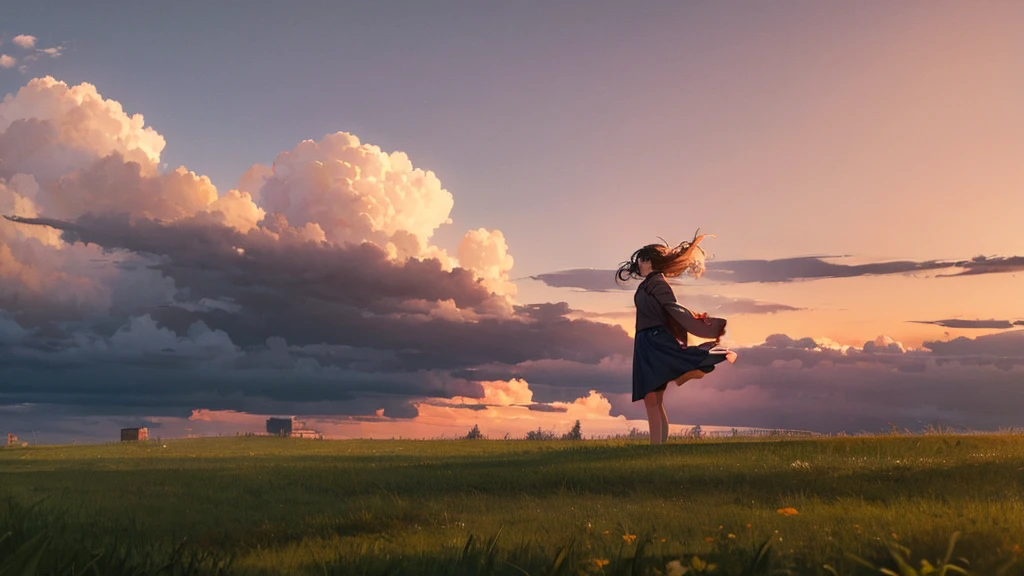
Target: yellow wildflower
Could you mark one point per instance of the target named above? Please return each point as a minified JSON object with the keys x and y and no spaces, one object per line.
{"x":629,"y":538}
{"x":787,"y":511}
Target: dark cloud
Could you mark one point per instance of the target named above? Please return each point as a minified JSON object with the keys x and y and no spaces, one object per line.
{"x":547,"y":408}
{"x":603,"y":281}
{"x":787,"y":382}
{"x":985,"y":265}
{"x":809,"y":268}
{"x":1004,"y":344}
{"x":854,"y":396}
{"x":784,"y":341}
{"x":587,"y":279}
{"x":965,"y":383}
{"x":989,"y":324}
{"x":265,"y":321}
{"x":724,"y":305}
{"x":789,"y":270}
{"x":213,"y":261}
{"x":317,"y":293}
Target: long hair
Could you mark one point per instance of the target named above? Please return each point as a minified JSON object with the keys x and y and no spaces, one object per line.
{"x":686,"y":257}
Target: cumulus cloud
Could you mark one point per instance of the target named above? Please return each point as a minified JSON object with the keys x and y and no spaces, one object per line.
{"x":7,"y":61}
{"x":237,"y":210}
{"x":51,"y":129}
{"x":356,"y":192}
{"x":39,"y":274}
{"x":884,"y":345}
{"x":24,"y":41}
{"x":312,"y":293}
{"x":65,"y":151}
{"x":784,"y":341}
{"x":347,"y":341}
{"x":486,"y":252}
{"x":142,"y":336}
{"x":311,"y":287}
{"x":112,"y":185}
{"x":508,"y":393}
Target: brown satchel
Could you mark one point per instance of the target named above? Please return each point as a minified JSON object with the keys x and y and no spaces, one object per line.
{"x":685,"y":322}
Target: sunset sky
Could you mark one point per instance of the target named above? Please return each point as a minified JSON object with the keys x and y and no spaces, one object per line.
{"x":401,"y":219}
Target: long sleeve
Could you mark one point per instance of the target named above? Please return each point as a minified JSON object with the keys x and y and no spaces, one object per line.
{"x":702,"y":326}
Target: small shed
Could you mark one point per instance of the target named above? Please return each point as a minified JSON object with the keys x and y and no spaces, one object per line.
{"x":279,"y":426}
{"x":132,"y":434}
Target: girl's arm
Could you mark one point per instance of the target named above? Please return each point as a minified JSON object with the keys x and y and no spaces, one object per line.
{"x":700,"y":325}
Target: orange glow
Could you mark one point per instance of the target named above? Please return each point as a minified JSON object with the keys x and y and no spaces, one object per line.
{"x":506,"y":414}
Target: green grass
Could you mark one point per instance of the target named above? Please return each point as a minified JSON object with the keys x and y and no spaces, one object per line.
{"x":270,"y":505}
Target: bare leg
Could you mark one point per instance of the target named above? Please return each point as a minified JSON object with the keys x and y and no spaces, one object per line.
{"x":664,"y":416}
{"x":691,"y":375}
{"x":655,"y":409}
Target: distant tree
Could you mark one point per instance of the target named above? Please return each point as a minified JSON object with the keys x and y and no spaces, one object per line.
{"x":474,"y":434}
{"x":696,"y":432}
{"x":635,"y":433}
{"x":539,"y":434}
{"x":573,"y":434}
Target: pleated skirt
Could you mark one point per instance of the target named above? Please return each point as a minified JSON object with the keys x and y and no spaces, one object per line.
{"x":658,"y":358}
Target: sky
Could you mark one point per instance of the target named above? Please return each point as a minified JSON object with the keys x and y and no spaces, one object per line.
{"x":399,"y":219}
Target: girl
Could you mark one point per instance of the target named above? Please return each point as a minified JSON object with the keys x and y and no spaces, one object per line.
{"x":660,"y":353}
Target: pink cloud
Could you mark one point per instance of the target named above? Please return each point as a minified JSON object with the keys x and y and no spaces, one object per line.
{"x":80,"y":152}
{"x":24,"y":40}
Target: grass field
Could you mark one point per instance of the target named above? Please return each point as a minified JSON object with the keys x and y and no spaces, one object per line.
{"x":255,"y":505}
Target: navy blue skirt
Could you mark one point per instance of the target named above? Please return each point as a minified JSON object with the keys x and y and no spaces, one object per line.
{"x":658,"y":358}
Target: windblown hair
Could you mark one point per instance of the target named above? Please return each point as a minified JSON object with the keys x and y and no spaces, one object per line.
{"x":686,"y":257}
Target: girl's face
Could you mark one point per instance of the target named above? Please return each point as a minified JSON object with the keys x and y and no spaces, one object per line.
{"x":645,"y":267}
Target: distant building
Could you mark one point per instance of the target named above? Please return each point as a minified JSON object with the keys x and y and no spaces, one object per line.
{"x":279,"y":426}
{"x":133,"y":434}
{"x":304,"y":433}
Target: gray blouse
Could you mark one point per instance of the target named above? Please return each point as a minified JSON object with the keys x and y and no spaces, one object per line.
{"x":656,"y":305}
